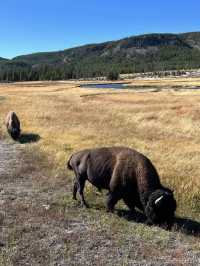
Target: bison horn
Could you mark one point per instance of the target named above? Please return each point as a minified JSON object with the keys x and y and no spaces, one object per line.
{"x":158,"y":199}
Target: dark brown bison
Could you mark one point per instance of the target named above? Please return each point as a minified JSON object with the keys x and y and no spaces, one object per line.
{"x":13,"y":125}
{"x":127,"y":175}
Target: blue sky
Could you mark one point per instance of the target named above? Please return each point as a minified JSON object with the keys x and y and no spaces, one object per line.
{"x":28,"y":26}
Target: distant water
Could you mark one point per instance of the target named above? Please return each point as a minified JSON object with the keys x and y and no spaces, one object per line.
{"x":103,"y":86}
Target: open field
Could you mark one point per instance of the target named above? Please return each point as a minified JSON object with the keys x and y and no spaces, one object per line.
{"x":41,"y":225}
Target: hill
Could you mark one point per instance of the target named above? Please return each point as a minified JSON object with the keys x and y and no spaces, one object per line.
{"x":150,"y":52}
{"x":3,"y":59}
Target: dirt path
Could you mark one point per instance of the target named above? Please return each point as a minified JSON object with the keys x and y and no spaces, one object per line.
{"x":40,"y":225}
{"x":8,"y":157}
{"x":26,"y":230}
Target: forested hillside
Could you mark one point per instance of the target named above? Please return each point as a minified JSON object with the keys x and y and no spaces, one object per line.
{"x":151,"y":52}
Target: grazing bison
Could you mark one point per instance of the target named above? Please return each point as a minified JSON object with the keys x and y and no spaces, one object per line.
{"x":127,"y":175}
{"x":13,"y":125}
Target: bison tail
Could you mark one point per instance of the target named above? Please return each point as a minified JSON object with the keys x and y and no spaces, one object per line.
{"x":69,"y":165}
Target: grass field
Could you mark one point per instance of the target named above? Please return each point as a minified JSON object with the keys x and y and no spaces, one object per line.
{"x":61,"y":118}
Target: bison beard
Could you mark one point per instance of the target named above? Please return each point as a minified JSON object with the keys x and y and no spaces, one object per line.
{"x":127,"y":175}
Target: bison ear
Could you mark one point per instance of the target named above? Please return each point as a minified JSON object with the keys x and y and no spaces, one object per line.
{"x":158,"y":200}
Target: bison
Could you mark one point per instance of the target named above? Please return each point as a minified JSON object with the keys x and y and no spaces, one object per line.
{"x":13,"y":125}
{"x":128,"y":175}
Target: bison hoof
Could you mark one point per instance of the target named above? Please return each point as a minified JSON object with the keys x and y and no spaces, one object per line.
{"x":109,"y":210}
{"x":148,"y":222}
{"x":84,"y":205}
{"x":166,"y":226}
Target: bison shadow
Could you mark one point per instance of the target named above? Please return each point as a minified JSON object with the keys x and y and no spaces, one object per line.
{"x":187,"y":226}
{"x":28,"y":138}
{"x":184,"y":225}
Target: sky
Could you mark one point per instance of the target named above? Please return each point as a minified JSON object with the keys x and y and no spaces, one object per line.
{"x":28,"y":26}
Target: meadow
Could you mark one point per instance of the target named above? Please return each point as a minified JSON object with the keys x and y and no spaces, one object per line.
{"x":59,"y":118}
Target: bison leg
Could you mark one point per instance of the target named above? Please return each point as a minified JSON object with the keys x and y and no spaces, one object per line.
{"x":112,"y":199}
{"x":81,"y":188}
{"x":75,"y":189}
{"x":130,"y":203}
{"x":79,"y":184}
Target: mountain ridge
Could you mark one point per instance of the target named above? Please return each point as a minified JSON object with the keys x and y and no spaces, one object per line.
{"x":3,"y":59}
{"x":141,"y":53}
{"x":113,"y":41}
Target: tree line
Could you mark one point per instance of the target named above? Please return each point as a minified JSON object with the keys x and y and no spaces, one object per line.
{"x":111,"y":66}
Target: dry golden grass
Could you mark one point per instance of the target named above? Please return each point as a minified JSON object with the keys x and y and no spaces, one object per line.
{"x":163,"y":125}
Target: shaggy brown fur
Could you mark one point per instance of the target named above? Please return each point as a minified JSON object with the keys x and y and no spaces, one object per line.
{"x":13,"y":125}
{"x":128,"y":175}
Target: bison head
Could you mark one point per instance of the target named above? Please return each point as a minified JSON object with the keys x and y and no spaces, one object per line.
{"x":161,"y":207}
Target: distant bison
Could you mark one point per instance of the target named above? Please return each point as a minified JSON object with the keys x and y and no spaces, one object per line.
{"x":13,"y":125}
{"x":128,"y":175}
